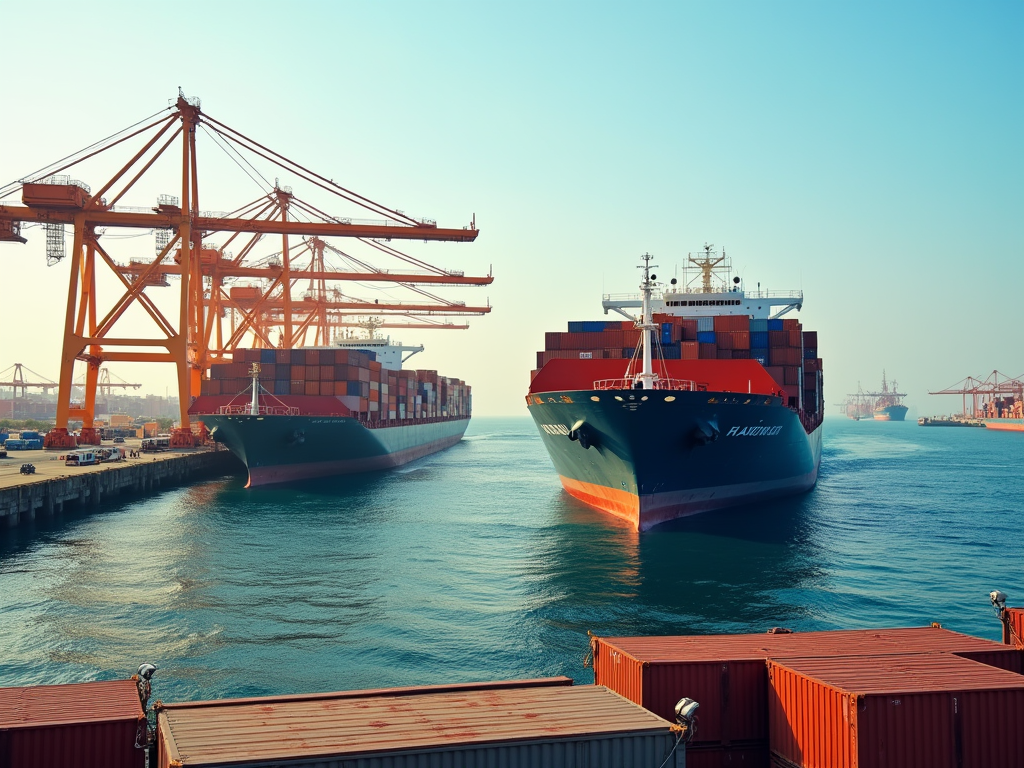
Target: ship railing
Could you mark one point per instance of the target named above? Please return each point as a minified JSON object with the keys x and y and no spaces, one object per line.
{"x":263,"y":410}
{"x":684,"y":385}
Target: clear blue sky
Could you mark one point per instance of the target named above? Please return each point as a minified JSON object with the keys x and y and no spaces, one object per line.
{"x":868,"y":153}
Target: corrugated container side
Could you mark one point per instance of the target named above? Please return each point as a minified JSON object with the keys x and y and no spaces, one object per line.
{"x":86,"y":745}
{"x":905,"y":731}
{"x":992,"y":728}
{"x":717,"y":756}
{"x":731,"y":694}
{"x":1015,"y":617}
{"x":809,"y":723}
{"x":1011,"y":662}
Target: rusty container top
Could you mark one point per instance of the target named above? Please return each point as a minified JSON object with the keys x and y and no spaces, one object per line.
{"x":896,"y":711}
{"x":88,"y":725}
{"x":380,"y":727}
{"x":52,"y":705}
{"x":726,"y":675}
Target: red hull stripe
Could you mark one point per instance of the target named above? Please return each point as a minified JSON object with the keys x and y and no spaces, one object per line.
{"x":649,"y":510}
{"x":285,"y":473}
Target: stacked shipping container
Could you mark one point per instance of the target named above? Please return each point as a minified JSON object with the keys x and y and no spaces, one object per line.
{"x":787,"y":352}
{"x":354,"y":377}
{"x":727,"y":676}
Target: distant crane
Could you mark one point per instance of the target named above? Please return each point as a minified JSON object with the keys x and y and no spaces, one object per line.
{"x":14,"y":377}
{"x":984,"y":391}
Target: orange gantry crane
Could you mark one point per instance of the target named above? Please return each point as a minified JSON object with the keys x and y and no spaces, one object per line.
{"x":193,"y":337}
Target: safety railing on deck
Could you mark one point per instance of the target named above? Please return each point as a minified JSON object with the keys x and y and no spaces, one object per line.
{"x":685,"y":385}
{"x":263,"y":410}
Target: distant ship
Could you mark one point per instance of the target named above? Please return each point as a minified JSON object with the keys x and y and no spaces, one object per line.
{"x":889,"y":403}
{"x":707,"y":399}
{"x":885,"y":405}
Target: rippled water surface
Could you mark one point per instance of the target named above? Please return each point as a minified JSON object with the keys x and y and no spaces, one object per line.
{"x":472,"y":564}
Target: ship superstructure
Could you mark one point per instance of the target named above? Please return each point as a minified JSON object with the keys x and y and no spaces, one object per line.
{"x":706,"y":399}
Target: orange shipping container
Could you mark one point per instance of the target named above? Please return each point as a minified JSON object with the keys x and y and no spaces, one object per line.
{"x":312,"y":388}
{"x":790,"y":324}
{"x":726,"y":674}
{"x":326,"y":372}
{"x":903,"y":711}
{"x":689,"y":350}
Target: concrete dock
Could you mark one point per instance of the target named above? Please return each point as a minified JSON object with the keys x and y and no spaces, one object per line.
{"x":23,"y":498}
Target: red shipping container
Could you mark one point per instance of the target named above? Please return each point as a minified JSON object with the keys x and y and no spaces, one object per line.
{"x":297,"y":387}
{"x":726,"y":674}
{"x":326,"y":372}
{"x":326,"y":388}
{"x":87,"y":725}
{"x":312,"y":388}
{"x":689,"y":330}
{"x":810,"y":339}
{"x":312,"y":357}
{"x":708,"y":351}
{"x":723,"y":339}
{"x":1015,"y":626}
{"x":902,"y":711}
{"x":552,"y":340}
{"x":327,"y":357}
{"x":778,"y":339}
{"x":282,"y":356}
{"x":790,"y":324}
{"x":741,"y":339}
{"x":791,"y":375}
{"x":812,"y":364}
{"x":689,"y":350}
{"x":785,"y":356}
{"x":796,"y":339}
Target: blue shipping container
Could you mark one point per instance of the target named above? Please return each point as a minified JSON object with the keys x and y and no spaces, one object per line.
{"x":266,"y":356}
{"x":672,"y":352}
{"x":354,"y":389}
{"x":576,"y":326}
{"x":758,"y":325}
{"x":775,"y":325}
{"x":761,"y":355}
{"x":593,"y":326}
{"x":30,"y":434}
{"x":706,"y":337}
{"x":282,"y":387}
{"x":810,"y":354}
{"x":759,"y":339}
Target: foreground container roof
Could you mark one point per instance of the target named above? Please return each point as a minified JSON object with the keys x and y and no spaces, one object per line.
{"x":910,"y":673}
{"x":51,"y":705}
{"x":305,"y":728}
{"x":856,"y":642}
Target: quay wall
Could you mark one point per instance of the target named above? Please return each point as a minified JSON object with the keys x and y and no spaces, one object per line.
{"x":34,"y":497}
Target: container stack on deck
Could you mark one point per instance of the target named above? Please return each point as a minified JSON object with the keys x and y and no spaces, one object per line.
{"x":354,"y":377}
{"x":778,"y":699}
{"x":787,"y":352}
{"x":1009,"y":407}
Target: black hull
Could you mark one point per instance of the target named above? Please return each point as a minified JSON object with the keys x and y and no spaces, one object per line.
{"x":658,"y":455}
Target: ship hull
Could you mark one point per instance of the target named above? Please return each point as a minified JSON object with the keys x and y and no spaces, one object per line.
{"x":281,"y":449}
{"x":1005,"y":425}
{"x":891,"y":413}
{"x":655,"y":460}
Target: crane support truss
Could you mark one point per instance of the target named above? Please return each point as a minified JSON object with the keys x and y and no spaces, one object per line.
{"x":194,"y":337}
{"x":982,"y":391}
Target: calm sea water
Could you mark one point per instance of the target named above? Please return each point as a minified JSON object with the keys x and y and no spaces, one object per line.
{"x":473,"y":565}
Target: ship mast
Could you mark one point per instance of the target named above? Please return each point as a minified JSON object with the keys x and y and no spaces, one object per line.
{"x":646,"y":324}
{"x":254,"y":406}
